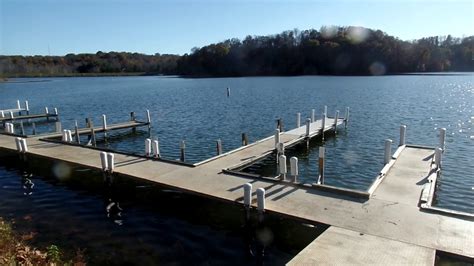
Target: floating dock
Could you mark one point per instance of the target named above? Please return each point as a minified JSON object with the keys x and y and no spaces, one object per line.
{"x":386,"y":227}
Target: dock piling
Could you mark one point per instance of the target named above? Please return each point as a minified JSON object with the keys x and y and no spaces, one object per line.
{"x":111,"y":162}
{"x":93,"y":139}
{"x":346,"y":118}
{"x":104,"y":125}
{"x":147,"y":147}
{"x":103,"y":160}
{"x":69,"y":136}
{"x":182,"y":148}
{"x":438,"y":157}
{"x":308,"y":127}
{"x":58,"y":126}
{"x":277,"y":137}
{"x":56,"y":113}
{"x":321,"y":165}
{"x":294,"y":168}
{"x":133,"y":118}
{"x":18,"y":144}
{"x":219,"y":147}
{"x":313,"y":115}
{"x":156,"y":148}
{"x":336,"y":118}
{"x":27,"y":107}
{"x":261,"y":199}
{"x":323,"y":125}
{"x":388,"y":151}
{"x":2,"y":114}
{"x":245,"y":140}
{"x":64,"y":135}
{"x":228,"y":92}
{"x":442,"y":138}
{"x":76,"y":133}
{"x":403,"y":132}
{"x":325,"y":111}
{"x":33,"y":125}
{"x":298,"y":120}
{"x":11,"y":115}
{"x":24,"y":145}
{"x":282,"y":166}
{"x":247,"y":195}
{"x":148,"y":120}
{"x":22,"y":128}
{"x":280,"y":124}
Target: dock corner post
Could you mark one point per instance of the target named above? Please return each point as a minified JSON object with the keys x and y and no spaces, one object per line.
{"x":336,"y":118}
{"x":219,"y":147}
{"x":147,"y":147}
{"x":298,"y":120}
{"x":323,"y":125}
{"x":313,"y":115}
{"x":156,"y":148}
{"x":245,"y":140}
{"x":277,"y":137}
{"x":438,"y":157}
{"x":321,"y":165}
{"x":247,"y":195}
{"x":27,"y":108}
{"x":104,"y":125}
{"x":76,"y":133}
{"x":282,"y":167}
{"x":403,"y":133}
{"x":388,"y":151}
{"x":346,"y":118}
{"x":294,"y":168}
{"x":442,"y":138}
{"x":182,"y":148}
{"x":148,"y":120}
{"x":261,"y":200}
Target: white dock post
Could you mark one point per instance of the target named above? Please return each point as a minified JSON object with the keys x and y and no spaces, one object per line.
{"x":438,"y":157}
{"x":261,"y":199}
{"x":403,"y":133}
{"x":228,"y":92}
{"x":294,"y":168}
{"x":182,"y":148}
{"x":69,"y":136}
{"x":148,"y":119}
{"x":10,"y":128}
{"x":336,"y":118}
{"x":281,"y":148}
{"x":247,"y":195}
{"x":388,"y":151}
{"x":58,"y":126}
{"x":27,"y":107}
{"x":282,"y":166}
{"x":308,"y":127}
{"x":46,"y":110}
{"x":104,"y":122}
{"x":11,"y":115}
{"x":18,"y":106}
{"x":2,"y":114}
{"x":156,"y":148}
{"x":103,"y":161}
{"x":147,"y":147}
{"x":24,"y":145}
{"x":33,"y":125}
{"x":277,"y":137}
{"x":313,"y":115}
{"x":18,"y":144}
{"x":442,"y":138}
{"x":64,"y":135}
{"x":219,"y":147}
{"x":111,"y":162}
{"x":325,"y":111}
{"x":298,"y":120}
{"x":321,"y":165}
{"x":346,"y":118}
{"x":323,"y":125}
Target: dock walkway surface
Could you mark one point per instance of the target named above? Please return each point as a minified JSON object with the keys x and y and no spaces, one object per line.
{"x":388,"y":228}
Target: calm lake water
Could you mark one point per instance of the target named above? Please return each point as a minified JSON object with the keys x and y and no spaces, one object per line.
{"x":199,"y":111}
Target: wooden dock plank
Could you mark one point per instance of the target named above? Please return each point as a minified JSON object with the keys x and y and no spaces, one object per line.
{"x":337,"y":246}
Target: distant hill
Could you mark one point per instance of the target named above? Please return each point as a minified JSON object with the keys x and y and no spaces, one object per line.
{"x":329,"y":51}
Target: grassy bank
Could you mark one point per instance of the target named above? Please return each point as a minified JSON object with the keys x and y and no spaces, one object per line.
{"x":14,"y":250}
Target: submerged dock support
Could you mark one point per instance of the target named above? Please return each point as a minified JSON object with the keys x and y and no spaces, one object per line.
{"x":403,"y":132}
{"x":321,"y":165}
{"x":282,"y":166}
{"x":298,"y":120}
{"x":247,"y":195}
{"x":182,"y":148}
{"x":442,"y":138}
{"x":294,"y":168}
{"x":388,"y":151}
{"x":261,"y":199}
{"x":219,"y":147}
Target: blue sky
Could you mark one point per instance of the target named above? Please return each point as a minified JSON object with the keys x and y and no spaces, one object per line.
{"x":59,"y":27}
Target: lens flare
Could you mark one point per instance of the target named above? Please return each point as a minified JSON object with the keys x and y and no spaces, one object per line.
{"x":377,"y":69}
{"x":62,"y":171}
{"x":358,"y":34}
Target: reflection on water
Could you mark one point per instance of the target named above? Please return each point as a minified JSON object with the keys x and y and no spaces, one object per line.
{"x":118,"y":220}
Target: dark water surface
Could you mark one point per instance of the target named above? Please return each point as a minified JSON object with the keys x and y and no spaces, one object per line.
{"x":199,"y":111}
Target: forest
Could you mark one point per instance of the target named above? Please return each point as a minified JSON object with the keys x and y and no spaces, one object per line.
{"x":328,"y":51}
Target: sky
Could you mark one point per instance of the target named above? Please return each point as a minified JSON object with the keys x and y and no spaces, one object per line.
{"x":59,"y":27}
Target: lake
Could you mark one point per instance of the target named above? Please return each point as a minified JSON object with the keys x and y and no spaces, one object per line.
{"x":199,"y":111}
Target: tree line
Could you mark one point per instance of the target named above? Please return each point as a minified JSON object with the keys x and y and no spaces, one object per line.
{"x":329,"y":51}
